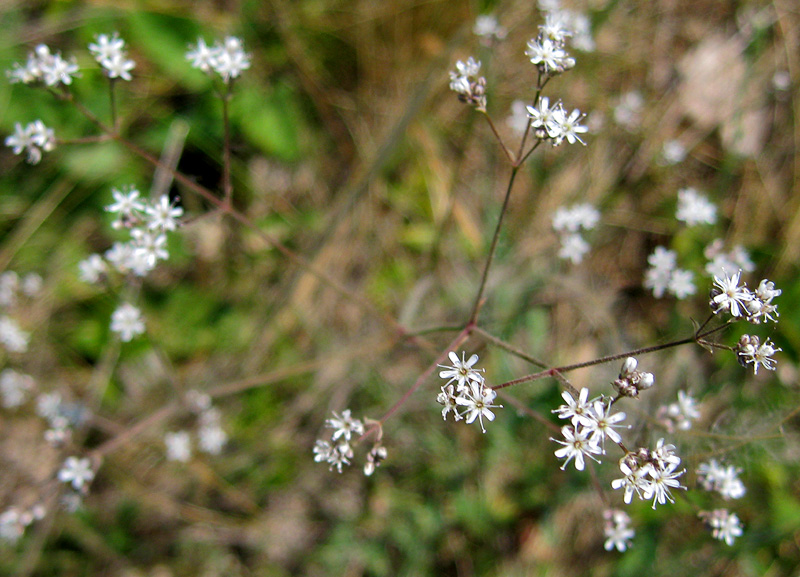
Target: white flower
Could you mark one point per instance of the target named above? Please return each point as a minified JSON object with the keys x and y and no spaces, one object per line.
{"x":635,"y":478}
{"x":725,"y":526}
{"x":549,"y":56}
{"x":105,"y":47}
{"x":12,"y":337}
{"x":344,"y":426}
{"x":728,"y":295}
{"x":542,"y":114}
{"x":76,"y":471}
{"x":461,"y":372}
{"x":673,"y":152}
{"x":567,"y":126}
{"x":577,"y":444}
{"x":163,"y":214}
{"x":178,"y":446}
{"x":681,"y":283}
{"x":573,"y":248}
{"x":118,"y":66}
{"x":447,"y":398}
{"x":477,"y":401}
{"x":228,"y":59}
{"x":486,"y":26}
{"x":34,"y":139}
{"x":9,"y":285}
{"x":575,"y":217}
{"x":758,"y":354}
{"x":575,"y":409}
{"x":212,"y":439}
{"x":694,"y":208}
{"x":14,"y":388}
{"x":150,"y":246}
{"x":92,"y":268}
{"x":628,"y":111}
{"x":617,"y":531}
{"x":601,"y":423}
{"x":127,"y":322}
{"x":322,"y":450}
{"x":661,"y":479}
{"x":680,"y":414}
{"x":555,"y":27}
{"x":201,"y":55}
{"x":725,"y":480}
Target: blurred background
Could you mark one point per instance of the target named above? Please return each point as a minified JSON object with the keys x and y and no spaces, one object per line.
{"x":350,"y":149}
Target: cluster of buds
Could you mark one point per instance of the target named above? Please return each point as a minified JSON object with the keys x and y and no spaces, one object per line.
{"x":755,"y":306}
{"x":470,"y":87}
{"x":751,"y":351}
{"x":650,"y":473}
{"x":45,"y":67}
{"x":630,"y":381}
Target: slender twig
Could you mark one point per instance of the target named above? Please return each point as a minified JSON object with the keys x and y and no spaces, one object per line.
{"x":509,"y":154}
{"x":510,"y":348}
{"x":112,"y":96}
{"x":493,"y":248}
{"x":227,"y":184}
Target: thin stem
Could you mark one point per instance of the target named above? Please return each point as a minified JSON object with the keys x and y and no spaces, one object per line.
{"x":600,"y":361}
{"x":510,"y":348}
{"x":227,"y":185}
{"x":509,"y":154}
{"x":479,"y":297}
{"x":112,"y":96}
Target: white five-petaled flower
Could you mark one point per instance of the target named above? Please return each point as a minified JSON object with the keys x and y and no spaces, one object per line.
{"x":694,"y":208}
{"x":127,"y":322}
{"x":728,"y":295}
{"x":462,"y":372}
{"x":634,"y":480}
{"x":163,"y":214}
{"x":477,"y":401}
{"x":601,"y":423}
{"x":548,"y":55}
{"x":178,"y":446}
{"x":228,"y":59}
{"x":617,"y":530}
{"x":344,"y":426}
{"x":567,"y":127}
{"x":574,"y":409}
{"x":577,"y":444}
{"x":725,"y":480}
{"x":33,"y":138}
{"x":109,"y":52}
{"x":77,"y":472}
{"x":662,"y":478}
{"x":542,"y":114}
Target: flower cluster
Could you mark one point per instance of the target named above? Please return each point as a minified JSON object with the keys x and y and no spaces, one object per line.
{"x":109,"y":52}
{"x":44,"y":66}
{"x":724,"y":525}
{"x":694,"y":208}
{"x":127,"y":322}
{"x":712,"y":476}
{"x":631,"y":381}
{"x":61,"y":417}
{"x":14,"y":388}
{"x":756,"y":306}
{"x":338,"y":451}
{"x":14,"y":521}
{"x":751,"y":351}
{"x":591,"y":422}
{"x":547,"y":50}
{"x":33,"y":139}
{"x":555,"y":124}
{"x":470,"y":87}
{"x":488,"y":28}
{"x":650,"y":474}
{"x":211,"y":437}
{"x":679,"y":415}
{"x":148,"y":224}
{"x":227,"y":58}
{"x":663,"y":275}
{"x":568,"y":222}
{"x":12,"y":337}
{"x":617,"y":530}
{"x":466,"y":393}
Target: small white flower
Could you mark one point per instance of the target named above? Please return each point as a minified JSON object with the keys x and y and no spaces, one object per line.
{"x":725,"y":526}
{"x":12,"y":337}
{"x":212,"y":439}
{"x":461,"y":372}
{"x":322,"y":450}
{"x":77,"y":472}
{"x":92,"y":269}
{"x":628,"y":112}
{"x":661,"y":479}
{"x":486,"y":26}
{"x":548,"y":55}
{"x":568,"y":127}
{"x":477,"y":401}
{"x":575,"y":409}
{"x":601,"y":423}
{"x":163,"y":214}
{"x":673,"y":152}
{"x":575,"y":217}
{"x":728,"y":295}
{"x":617,"y":530}
{"x":105,"y":46}
{"x":681,"y":283}
{"x":573,"y":248}
{"x":14,"y":388}
{"x":635,"y":479}
{"x":127,"y":322}
{"x":577,"y":444}
{"x":345,"y":426}
{"x":542,"y":114}
{"x":178,"y":446}
{"x":694,"y":208}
